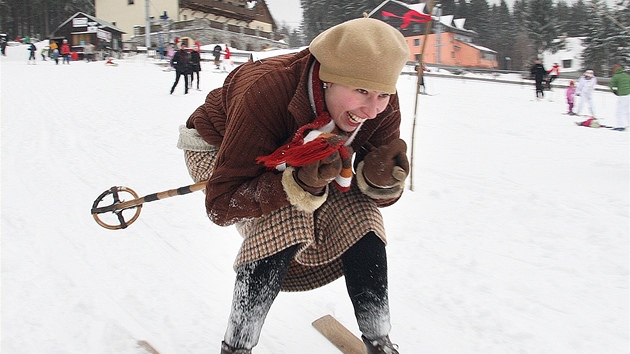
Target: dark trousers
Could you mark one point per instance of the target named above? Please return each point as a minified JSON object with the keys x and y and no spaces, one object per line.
{"x":177,"y":75}
{"x":258,"y":283}
{"x":539,"y":89}
{"x":192,"y":78}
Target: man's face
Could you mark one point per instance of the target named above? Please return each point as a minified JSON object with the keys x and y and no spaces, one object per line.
{"x":349,"y":106}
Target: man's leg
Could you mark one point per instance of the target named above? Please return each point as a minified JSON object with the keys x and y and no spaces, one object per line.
{"x":257,"y":285}
{"x":365,"y":270}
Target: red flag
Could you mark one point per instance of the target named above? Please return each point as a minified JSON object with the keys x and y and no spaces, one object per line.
{"x":408,"y":17}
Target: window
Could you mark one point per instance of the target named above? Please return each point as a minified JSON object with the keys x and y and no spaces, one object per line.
{"x":416,"y":42}
{"x":566,"y":63}
{"x":130,"y":2}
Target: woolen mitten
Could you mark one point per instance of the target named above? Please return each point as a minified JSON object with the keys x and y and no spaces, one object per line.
{"x":315,"y":176}
{"x":387,"y":165}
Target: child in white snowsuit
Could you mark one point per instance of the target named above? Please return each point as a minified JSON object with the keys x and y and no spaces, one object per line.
{"x":585,"y":88}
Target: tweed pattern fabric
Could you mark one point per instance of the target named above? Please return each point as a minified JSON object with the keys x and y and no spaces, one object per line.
{"x":200,"y":164}
{"x":323,"y":236}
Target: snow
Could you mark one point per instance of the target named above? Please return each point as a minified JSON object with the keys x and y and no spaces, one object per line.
{"x":513,"y":240}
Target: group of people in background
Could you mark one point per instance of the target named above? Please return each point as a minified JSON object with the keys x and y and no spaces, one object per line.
{"x":186,"y":63}
{"x":55,"y":51}
{"x":584,"y":89}
{"x":543,"y":77}
{"x":619,"y":85}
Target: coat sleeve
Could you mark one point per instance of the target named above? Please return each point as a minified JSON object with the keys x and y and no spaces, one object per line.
{"x":256,"y":122}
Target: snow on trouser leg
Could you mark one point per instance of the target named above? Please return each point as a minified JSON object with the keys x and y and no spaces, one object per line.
{"x":365,"y":271}
{"x":257,"y":285}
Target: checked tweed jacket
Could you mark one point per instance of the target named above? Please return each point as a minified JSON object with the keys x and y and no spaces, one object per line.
{"x":259,"y":108}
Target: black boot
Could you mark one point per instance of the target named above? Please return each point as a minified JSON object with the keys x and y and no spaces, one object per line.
{"x":380,"y":346}
{"x":228,"y":349}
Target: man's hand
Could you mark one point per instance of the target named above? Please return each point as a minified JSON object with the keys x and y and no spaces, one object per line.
{"x":315,"y":176}
{"x":387,"y":165}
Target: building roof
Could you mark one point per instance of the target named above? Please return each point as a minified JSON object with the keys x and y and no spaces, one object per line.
{"x":248,"y":11}
{"x":102,"y":23}
{"x":481,"y":48}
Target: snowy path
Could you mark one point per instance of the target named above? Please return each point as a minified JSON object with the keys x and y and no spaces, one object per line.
{"x":514,"y":240}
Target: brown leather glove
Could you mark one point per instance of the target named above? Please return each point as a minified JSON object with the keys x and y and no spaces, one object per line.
{"x":387,"y":165}
{"x":315,"y":176}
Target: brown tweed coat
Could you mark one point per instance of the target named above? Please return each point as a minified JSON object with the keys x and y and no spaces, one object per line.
{"x":260,"y":107}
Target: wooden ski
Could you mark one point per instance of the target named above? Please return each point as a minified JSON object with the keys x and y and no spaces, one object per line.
{"x":339,"y":335}
{"x":148,"y":348}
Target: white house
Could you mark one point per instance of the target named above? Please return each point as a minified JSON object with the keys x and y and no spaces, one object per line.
{"x":569,"y":59}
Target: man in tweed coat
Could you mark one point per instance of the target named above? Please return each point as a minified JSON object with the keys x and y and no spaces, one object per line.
{"x":300,"y":232}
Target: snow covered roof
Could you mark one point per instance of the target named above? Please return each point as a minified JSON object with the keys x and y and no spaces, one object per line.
{"x":481,"y":48}
{"x":459,"y":22}
{"x":103,"y":23}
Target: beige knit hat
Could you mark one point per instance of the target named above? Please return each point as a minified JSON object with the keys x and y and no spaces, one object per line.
{"x":364,"y":53}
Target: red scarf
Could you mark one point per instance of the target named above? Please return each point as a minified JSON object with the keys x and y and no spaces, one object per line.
{"x":314,"y":141}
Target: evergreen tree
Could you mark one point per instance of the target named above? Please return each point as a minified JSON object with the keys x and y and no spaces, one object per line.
{"x":502,"y":28}
{"x":320,"y":15}
{"x":38,"y":17}
{"x":462,"y":10}
{"x":479,"y":21}
{"x":608,"y":42}
{"x":541,"y":26}
{"x":580,"y":17}
{"x":522,"y":49}
{"x":564,"y":19}
{"x":620,"y":33}
{"x":449,"y":7}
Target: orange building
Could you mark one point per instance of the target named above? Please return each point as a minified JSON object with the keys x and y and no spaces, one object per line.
{"x":456,"y":43}
{"x":453,"y":51}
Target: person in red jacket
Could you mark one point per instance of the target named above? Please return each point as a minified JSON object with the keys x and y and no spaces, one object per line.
{"x":65,"y":52}
{"x":553,"y":73}
{"x":227,"y":59}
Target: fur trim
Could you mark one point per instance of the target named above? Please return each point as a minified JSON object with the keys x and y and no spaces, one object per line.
{"x":298,"y":197}
{"x":189,"y":139}
{"x":377,"y":193}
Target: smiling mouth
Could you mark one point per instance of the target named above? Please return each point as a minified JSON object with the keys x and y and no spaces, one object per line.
{"x":355,"y":119}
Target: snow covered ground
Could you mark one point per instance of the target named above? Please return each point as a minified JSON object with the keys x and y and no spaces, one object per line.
{"x":513,"y":240}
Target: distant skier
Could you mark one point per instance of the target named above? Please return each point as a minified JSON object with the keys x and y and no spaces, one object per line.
{"x":32,"y":49}
{"x":554,"y":72}
{"x":584,"y":91}
{"x":216,"y":52}
{"x":571,"y":97}
{"x":195,"y":66}
{"x":538,"y":73}
{"x":181,"y":63}
{"x":227,"y":59}
{"x":44,"y":53}
{"x":3,"y":46}
{"x":620,"y":86}
{"x":65,"y":52}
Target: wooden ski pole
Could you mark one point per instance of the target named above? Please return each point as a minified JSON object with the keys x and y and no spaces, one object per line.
{"x":427,"y":30}
{"x":117,"y":207}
